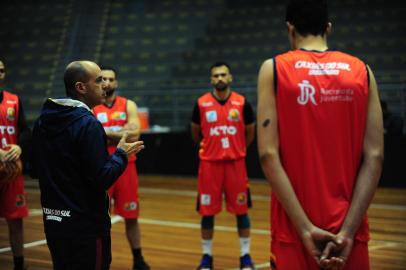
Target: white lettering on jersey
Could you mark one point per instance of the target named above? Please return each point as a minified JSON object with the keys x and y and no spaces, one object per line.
{"x":307,"y":92}
{"x":329,"y":68}
{"x":225,"y":143}
{"x":207,"y":104}
{"x":113,"y":129}
{"x":223,"y":130}
{"x":9,"y":129}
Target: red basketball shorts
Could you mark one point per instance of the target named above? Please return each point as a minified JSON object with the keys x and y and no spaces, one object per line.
{"x":124,"y":193}
{"x":13,"y":203}
{"x":223,"y":177}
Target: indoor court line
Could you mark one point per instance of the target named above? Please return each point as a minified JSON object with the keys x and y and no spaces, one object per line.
{"x":115,"y":219}
{"x":257,"y":266}
{"x":189,"y":193}
{"x":384,"y":245}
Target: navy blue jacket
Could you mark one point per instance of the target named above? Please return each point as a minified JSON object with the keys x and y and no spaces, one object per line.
{"x":74,"y":169}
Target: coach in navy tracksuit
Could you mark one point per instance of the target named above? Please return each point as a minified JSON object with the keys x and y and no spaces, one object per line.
{"x":70,"y":159}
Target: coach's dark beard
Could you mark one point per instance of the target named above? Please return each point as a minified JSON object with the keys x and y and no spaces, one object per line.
{"x":221,"y":86}
{"x":110,"y":92}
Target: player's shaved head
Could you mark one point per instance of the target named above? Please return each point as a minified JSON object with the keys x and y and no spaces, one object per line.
{"x":77,"y":71}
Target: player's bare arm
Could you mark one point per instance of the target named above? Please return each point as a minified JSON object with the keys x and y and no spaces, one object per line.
{"x":268,"y":148}
{"x":369,"y":172}
{"x":132,"y":127}
{"x":249,"y":134}
{"x":196,"y":133}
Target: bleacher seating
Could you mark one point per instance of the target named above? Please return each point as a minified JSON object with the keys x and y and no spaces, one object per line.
{"x":163,"y":49}
{"x":30,"y":36}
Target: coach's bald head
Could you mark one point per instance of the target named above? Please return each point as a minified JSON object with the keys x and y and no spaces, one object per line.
{"x":83,"y":81}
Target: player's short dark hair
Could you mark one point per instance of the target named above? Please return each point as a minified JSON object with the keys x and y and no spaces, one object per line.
{"x":74,"y":73}
{"x":105,"y":67}
{"x":310,"y":17}
{"x":220,"y":64}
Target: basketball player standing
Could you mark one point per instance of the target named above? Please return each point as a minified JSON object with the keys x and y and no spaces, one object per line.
{"x":118,"y":115}
{"x":223,"y":126}
{"x":14,"y":132}
{"x":320,"y":141}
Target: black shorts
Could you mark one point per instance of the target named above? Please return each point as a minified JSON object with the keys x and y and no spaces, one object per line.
{"x":78,"y":253}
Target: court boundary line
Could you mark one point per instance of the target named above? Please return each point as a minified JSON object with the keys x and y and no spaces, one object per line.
{"x":116,"y":218}
{"x":190,"y":193}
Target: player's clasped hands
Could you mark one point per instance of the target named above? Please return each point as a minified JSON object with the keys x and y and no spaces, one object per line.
{"x":12,"y":154}
{"x":130,"y":148}
{"x":329,"y":250}
{"x":336,"y":252}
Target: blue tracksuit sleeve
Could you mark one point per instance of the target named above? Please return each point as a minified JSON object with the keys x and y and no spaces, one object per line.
{"x":103,"y":169}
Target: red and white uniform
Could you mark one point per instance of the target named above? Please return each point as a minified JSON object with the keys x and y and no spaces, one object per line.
{"x":222,"y":155}
{"x":321,"y":100}
{"x":125,"y":190}
{"x":12,"y":195}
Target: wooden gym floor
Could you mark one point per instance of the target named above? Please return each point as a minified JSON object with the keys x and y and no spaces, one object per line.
{"x":171,"y":236}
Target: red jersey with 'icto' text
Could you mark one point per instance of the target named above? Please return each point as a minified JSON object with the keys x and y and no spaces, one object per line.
{"x":321,"y":100}
{"x":113,"y":118}
{"x":8,"y":119}
{"x":223,"y":128}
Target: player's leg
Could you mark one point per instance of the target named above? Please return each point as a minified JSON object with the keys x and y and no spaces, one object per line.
{"x":16,"y":237}
{"x":208,"y":205}
{"x":13,"y":208}
{"x":133,"y":233}
{"x":127,"y":205}
{"x":238,"y":202}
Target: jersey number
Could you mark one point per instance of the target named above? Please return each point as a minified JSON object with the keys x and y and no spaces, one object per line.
{"x":225,"y":143}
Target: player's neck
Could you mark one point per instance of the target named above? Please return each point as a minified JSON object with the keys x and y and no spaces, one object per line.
{"x":222,"y":95}
{"x":312,"y":43}
{"x":110,"y":100}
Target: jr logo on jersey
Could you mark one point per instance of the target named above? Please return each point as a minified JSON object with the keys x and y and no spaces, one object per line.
{"x":307,"y":92}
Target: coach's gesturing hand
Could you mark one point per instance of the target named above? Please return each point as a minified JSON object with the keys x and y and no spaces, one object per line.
{"x":130,"y":148}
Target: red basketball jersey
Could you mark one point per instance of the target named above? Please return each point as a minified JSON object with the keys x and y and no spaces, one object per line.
{"x":223,"y":128}
{"x":9,"y":110}
{"x":113,"y":118}
{"x":321,"y":100}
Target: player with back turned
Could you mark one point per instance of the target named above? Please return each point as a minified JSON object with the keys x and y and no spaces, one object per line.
{"x":320,"y":141}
